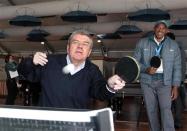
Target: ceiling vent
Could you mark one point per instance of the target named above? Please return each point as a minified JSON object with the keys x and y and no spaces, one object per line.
{"x":79,"y":16}
{"x":149,"y":15}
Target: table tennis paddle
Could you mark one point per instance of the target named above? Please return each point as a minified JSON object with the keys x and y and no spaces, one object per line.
{"x":128,"y":69}
{"x":155,"y":62}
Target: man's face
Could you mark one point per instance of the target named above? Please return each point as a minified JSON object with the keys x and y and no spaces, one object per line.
{"x":79,"y":48}
{"x":160,"y":31}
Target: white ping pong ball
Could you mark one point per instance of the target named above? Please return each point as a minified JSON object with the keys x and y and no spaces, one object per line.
{"x":68,"y":68}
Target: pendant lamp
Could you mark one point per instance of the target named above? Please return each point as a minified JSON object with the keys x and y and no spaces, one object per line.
{"x":38,"y":33}
{"x":128,"y":29}
{"x":36,"y":39}
{"x":109,"y":36}
{"x":79,"y":16}
{"x":25,"y":20}
{"x":149,"y":15}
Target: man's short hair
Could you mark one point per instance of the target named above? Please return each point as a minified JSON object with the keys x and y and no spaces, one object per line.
{"x":81,"y":32}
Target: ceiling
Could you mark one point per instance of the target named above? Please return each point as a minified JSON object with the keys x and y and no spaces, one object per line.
{"x":111,"y":14}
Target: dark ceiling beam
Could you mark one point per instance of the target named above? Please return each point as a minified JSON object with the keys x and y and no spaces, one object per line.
{"x":5,"y":49}
{"x":11,"y":2}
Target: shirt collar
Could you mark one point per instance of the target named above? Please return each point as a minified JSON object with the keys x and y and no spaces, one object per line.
{"x":157,"y":42}
{"x":81,"y":66}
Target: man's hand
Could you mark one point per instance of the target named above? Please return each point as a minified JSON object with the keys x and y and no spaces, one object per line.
{"x":174,"y":93}
{"x":116,"y":83}
{"x":40,"y":58}
{"x":151,"y":70}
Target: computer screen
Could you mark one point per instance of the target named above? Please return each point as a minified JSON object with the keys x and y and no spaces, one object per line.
{"x":16,"y":118}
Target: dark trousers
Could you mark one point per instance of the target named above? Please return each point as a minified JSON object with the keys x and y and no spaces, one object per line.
{"x":12,"y":91}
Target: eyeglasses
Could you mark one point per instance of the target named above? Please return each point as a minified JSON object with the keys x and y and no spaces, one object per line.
{"x":83,"y":44}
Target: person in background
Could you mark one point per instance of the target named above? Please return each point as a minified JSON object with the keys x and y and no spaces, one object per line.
{"x":179,"y":104}
{"x":11,"y":81}
{"x":70,"y":80}
{"x":159,"y":85}
{"x":29,"y":90}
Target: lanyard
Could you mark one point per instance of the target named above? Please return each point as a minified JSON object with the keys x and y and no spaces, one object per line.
{"x":158,"y":49}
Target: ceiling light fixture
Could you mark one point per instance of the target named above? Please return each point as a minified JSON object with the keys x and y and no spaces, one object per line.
{"x":99,"y":41}
{"x":109,"y":36}
{"x":149,"y":15}
{"x":79,"y":16}
{"x":128,"y":29}
{"x":36,"y":39}
{"x":25,"y":20}
{"x":37,"y":35}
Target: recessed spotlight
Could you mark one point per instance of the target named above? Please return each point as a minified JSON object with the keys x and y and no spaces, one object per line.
{"x":99,"y":41}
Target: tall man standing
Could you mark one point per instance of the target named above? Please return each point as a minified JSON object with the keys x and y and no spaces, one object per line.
{"x":159,"y":85}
